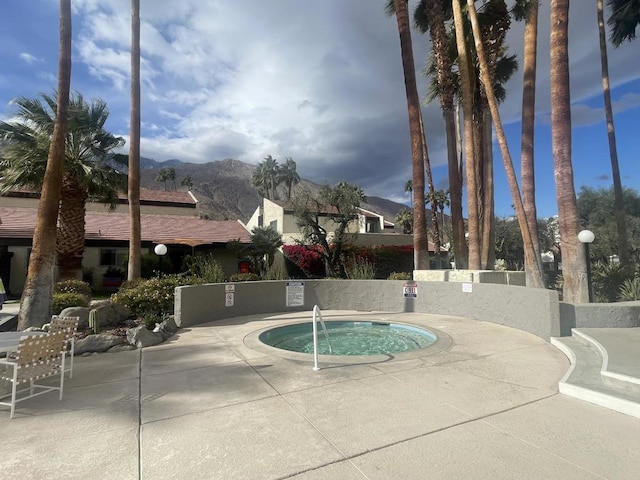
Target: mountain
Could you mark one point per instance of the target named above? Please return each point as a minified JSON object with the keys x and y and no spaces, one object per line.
{"x":224,"y":191}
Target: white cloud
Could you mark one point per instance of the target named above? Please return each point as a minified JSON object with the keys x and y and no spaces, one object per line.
{"x":30,"y":59}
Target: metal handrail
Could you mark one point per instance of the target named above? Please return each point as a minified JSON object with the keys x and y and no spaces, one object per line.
{"x":317,"y":314}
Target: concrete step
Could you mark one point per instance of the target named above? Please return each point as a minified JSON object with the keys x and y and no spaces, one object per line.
{"x":584,"y":381}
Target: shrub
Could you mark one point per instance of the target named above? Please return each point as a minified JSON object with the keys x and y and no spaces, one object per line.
{"x":154,"y":296}
{"x":399,"y":276}
{"x":205,"y":267}
{"x":65,"y":300}
{"x":114,"y":272}
{"x":607,"y":280}
{"x":244,"y":277}
{"x":359,"y":268}
{"x":73,"y":286}
{"x":630,"y":290}
{"x":308,"y":259}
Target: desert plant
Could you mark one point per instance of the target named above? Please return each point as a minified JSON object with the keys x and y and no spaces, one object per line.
{"x":206,"y":267}
{"x":244,"y":277}
{"x":65,"y":300}
{"x":73,"y":286}
{"x":607,"y":280}
{"x":359,"y":268}
{"x":630,"y":290}
{"x":399,"y":276}
{"x":277,"y":270}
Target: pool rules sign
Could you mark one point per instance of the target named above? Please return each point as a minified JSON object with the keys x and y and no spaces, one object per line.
{"x":295,"y":294}
{"x":410,"y":290}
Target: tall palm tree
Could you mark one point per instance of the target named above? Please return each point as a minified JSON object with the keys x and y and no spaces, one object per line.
{"x":35,"y":305}
{"x":420,"y":241}
{"x":528,"y":10}
{"x":133,"y":192}
{"x":621,"y":222}
{"x":574,"y":263}
{"x":88,"y":169}
{"x":162,"y":176}
{"x":288,"y":175}
{"x":270,"y":171}
{"x":488,"y":82}
{"x":171,"y":175}
{"x":624,"y":20}
{"x":467,"y":89}
{"x":187,"y":182}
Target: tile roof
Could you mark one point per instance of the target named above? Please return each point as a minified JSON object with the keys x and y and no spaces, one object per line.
{"x":20,"y":223}
{"x":146,"y":195}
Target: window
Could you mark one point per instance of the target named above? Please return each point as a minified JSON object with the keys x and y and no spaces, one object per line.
{"x":274,"y":225}
{"x":113,"y":257}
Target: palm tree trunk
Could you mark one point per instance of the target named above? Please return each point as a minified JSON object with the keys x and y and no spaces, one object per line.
{"x":133,"y":193}
{"x":35,"y":305}
{"x":70,"y":232}
{"x":504,"y":148}
{"x":574,"y":263}
{"x":466,"y":76}
{"x":528,"y":123}
{"x":460,"y":249}
{"x":621,"y":223}
{"x":420,"y":242}
{"x":432,"y":197}
{"x":488,"y":198}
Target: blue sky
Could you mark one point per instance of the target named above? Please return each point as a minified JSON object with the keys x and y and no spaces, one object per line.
{"x":317,"y":81}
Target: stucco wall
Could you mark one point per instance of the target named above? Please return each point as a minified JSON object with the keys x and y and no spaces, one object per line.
{"x":589,"y":315}
{"x":532,"y":310}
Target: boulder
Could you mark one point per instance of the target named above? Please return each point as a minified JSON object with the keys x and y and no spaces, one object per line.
{"x":80,"y":312}
{"x":123,"y":347}
{"x":97,"y":343}
{"x":143,"y":337}
{"x":110,"y":313}
{"x":167,"y":328}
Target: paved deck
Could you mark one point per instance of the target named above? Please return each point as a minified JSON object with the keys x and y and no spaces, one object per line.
{"x":207,"y":405}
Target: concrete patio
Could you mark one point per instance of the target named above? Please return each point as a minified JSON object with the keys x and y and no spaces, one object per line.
{"x":210,"y":403}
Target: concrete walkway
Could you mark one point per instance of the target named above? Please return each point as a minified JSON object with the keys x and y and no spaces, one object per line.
{"x":210,"y":404}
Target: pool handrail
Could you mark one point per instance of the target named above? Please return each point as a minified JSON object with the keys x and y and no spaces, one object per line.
{"x":318,"y":314}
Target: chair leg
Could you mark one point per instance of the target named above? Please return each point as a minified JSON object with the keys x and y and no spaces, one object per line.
{"x":73,"y":352}
{"x":62,"y":375}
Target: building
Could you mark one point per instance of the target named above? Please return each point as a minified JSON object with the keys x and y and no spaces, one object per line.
{"x":168,"y":218}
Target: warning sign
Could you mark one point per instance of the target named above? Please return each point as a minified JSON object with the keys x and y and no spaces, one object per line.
{"x":410,"y":290}
{"x":295,"y":294}
{"x":228,"y":299}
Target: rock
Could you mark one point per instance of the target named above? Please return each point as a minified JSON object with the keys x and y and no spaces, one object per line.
{"x":143,"y":337}
{"x":110,"y":313}
{"x":80,"y":312}
{"x":123,"y":347}
{"x":167,"y":328}
{"x":97,"y":343}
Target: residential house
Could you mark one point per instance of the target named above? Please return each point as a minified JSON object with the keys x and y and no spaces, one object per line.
{"x":169,"y":218}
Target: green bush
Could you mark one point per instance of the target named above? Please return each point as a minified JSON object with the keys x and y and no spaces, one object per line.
{"x":399,"y":276}
{"x":244,"y":277}
{"x":206,"y":267}
{"x":73,"y":286}
{"x":630,"y":290}
{"x":70,"y":299}
{"x":154,"y":296}
{"x":607,"y":280}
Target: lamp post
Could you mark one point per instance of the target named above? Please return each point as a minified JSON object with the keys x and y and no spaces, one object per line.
{"x":586,"y":237}
{"x":161,"y":251}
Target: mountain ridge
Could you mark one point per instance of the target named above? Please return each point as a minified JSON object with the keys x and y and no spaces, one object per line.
{"x":224,"y":191}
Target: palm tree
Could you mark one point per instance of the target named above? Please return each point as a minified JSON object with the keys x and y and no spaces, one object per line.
{"x":88,"y":167}
{"x":432,"y":15}
{"x":162,"y":176}
{"x":418,"y":148}
{"x":574,"y":265}
{"x":35,"y":305}
{"x":529,"y":11}
{"x":624,"y":20}
{"x":621,"y":223}
{"x":288,"y":175}
{"x":265,"y":242}
{"x":405,"y":218}
{"x":467,"y":89}
{"x":187,"y":182}
{"x":270,"y":171}
{"x":488,"y":82}
{"x":171,"y":175}
{"x":133,"y":193}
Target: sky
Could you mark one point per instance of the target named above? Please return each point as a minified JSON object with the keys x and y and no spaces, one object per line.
{"x":320,"y":82}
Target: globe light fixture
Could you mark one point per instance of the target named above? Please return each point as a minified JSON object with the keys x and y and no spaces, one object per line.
{"x":161,"y":251}
{"x":586,"y":237}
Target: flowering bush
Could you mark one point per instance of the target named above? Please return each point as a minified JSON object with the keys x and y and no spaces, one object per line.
{"x":70,"y":299}
{"x":307,"y":259}
{"x":73,"y":286}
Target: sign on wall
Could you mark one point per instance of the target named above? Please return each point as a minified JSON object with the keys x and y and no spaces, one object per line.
{"x":229,"y":293}
{"x":410,"y":290}
{"x":295,"y":294}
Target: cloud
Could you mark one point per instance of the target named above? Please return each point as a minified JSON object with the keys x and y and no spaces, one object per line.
{"x":30,"y":59}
